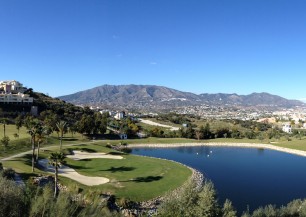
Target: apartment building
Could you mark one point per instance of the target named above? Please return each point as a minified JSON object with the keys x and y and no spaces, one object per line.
{"x":13,"y":92}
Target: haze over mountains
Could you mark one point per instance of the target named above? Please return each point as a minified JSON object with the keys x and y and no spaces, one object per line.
{"x":158,"y":97}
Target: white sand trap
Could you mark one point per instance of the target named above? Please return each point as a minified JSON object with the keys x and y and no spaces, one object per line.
{"x":80,"y":155}
{"x":72,"y":174}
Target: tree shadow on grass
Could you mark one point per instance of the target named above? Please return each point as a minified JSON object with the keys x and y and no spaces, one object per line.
{"x":76,"y":167}
{"x":70,"y":139}
{"x":27,"y":159}
{"x":148,"y":179}
{"x":145,"y":179}
{"x":89,"y":150}
{"x":120,"y":169}
{"x":86,"y":160}
{"x":117,"y":153}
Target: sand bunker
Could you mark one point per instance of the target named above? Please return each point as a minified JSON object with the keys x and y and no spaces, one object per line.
{"x":72,"y":174}
{"x":80,"y":155}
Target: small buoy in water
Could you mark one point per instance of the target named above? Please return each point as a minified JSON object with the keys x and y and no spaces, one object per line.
{"x":208,"y":155}
{"x":197,"y":153}
{"x":210,"y":151}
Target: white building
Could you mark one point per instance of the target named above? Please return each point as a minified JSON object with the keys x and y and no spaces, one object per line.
{"x":287,"y":128}
{"x":13,"y":92}
{"x":12,"y":86}
{"x":18,"y":98}
{"x":119,"y":116}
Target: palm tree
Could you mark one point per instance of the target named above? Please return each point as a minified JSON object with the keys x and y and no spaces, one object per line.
{"x":56,"y":159}
{"x":61,"y":128}
{"x":4,"y":122}
{"x":40,"y":133}
{"x":18,"y":122}
{"x":34,"y":127}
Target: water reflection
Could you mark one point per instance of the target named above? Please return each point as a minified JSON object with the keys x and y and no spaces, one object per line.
{"x":254,"y":177}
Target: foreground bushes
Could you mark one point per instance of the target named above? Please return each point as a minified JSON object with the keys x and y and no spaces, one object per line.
{"x":12,"y":199}
{"x":19,"y":202}
{"x":191,"y":202}
{"x":196,"y":202}
{"x":203,"y":203}
{"x":296,"y":208}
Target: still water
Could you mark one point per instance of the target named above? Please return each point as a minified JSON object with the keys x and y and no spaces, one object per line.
{"x":247,"y":176}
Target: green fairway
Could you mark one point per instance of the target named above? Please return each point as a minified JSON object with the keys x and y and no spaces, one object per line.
{"x":135,"y":177}
{"x":298,"y":144}
{"x":23,"y":142}
{"x":10,"y":130}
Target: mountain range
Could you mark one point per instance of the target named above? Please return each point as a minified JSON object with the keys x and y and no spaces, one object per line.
{"x":158,"y":97}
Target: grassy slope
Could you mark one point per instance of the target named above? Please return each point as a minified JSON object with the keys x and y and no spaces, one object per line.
{"x":134,"y":177}
{"x":294,"y":144}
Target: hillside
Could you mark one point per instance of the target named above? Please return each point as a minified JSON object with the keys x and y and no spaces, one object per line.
{"x":44,"y":103}
{"x":158,"y":97}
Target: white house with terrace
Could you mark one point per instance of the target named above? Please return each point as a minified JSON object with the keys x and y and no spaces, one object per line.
{"x":12,"y":92}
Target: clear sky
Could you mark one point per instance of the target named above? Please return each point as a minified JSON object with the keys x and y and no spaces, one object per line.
{"x":202,"y":46}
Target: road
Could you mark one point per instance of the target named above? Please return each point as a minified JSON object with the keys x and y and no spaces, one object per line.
{"x":48,"y":147}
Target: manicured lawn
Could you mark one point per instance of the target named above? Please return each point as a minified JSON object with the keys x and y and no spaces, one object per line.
{"x":23,"y":143}
{"x":294,"y":144}
{"x":134,"y":177}
{"x":10,"y":130}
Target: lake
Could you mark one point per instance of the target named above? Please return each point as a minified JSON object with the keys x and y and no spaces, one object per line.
{"x":247,"y":176}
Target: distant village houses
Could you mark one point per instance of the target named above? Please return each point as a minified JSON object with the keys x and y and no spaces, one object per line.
{"x":12,"y":92}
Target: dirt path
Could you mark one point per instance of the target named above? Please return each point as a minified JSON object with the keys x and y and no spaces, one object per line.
{"x":158,"y":124}
{"x":45,"y":148}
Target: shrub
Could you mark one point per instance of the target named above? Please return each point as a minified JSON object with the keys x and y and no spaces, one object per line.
{"x":12,"y":199}
{"x":8,"y":173}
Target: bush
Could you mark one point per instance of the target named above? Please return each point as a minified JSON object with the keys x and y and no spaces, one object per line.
{"x":12,"y":199}
{"x":8,"y":173}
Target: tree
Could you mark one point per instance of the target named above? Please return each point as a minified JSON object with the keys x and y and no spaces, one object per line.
{"x":18,"y":122}
{"x":228,"y":210}
{"x":56,"y":159}
{"x":4,"y":121}
{"x":61,"y":128}
{"x":5,"y":141}
{"x":11,"y":199}
{"x":198,"y":134}
{"x":189,"y":132}
{"x":207,"y":204}
{"x":205,"y":131}
{"x":86,"y":124}
{"x":40,"y":133}
{"x":33,"y":126}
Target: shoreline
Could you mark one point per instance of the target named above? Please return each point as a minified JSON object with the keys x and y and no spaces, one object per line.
{"x":213,"y":144}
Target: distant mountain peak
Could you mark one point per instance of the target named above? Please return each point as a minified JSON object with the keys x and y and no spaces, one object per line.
{"x":158,"y":97}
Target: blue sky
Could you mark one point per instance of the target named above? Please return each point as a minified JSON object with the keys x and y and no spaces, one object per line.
{"x":202,"y":46}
